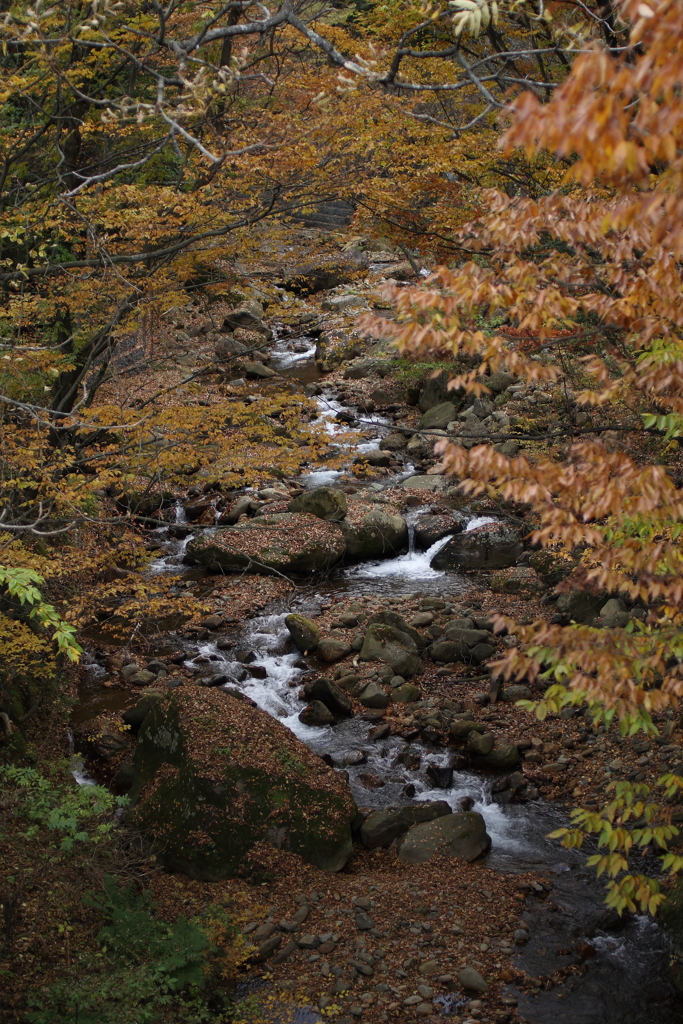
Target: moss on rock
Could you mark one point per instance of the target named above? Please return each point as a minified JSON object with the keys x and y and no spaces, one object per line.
{"x":215,"y":776}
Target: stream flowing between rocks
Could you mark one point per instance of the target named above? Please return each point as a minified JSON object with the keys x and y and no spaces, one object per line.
{"x":626,"y":980}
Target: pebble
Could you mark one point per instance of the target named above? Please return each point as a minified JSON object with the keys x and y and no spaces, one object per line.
{"x":363,"y":921}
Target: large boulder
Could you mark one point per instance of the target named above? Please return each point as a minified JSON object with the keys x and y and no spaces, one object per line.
{"x":389,"y":618}
{"x":501,"y":759}
{"x":321,"y":502}
{"x":304,"y":633}
{"x":435,"y":392}
{"x":580,"y":606}
{"x":438,"y":417}
{"x":424,"y":482}
{"x":381,"y":827}
{"x":392,"y":646}
{"x":214,"y":776}
{"x":429,"y":529}
{"x":326,"y":272}
{"x":491,"y":546}
{"x":331,"y":695}
{"x":461,"y":835}
{"x":377,"y":534}
{"x":248,"y":314}
{"x":282,"y":543}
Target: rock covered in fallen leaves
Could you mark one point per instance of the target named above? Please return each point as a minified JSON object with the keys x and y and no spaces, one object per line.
{"x":374,"y":534}
{"x":215,"y":776}
{"x":322,"y":502}
{"x":490,"y":546}
{"x":285,"y":542}
{"x":461,"y":835}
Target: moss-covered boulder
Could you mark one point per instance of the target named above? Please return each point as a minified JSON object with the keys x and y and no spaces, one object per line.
{"x":286,"y":542}
{"x":215,"y":776}
{"x":303,"y":631}
{"x":393,"y":647}
{"x":321,"y":502}
{"x":374,"y":534}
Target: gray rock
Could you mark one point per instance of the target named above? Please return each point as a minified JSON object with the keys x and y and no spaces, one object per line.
{"x":516,"y":692}
{"x":429,"y":529}
{"x":614,"y":614}
{"x":373,"y":696}
{"x":472,"y":980}
{"x":226,"y":347}
{"x":338,"y":302}
{"x":480,"y":652}
{"x":507,"y":448}
{"x":389,"y":618}
{"x":500,"y":759}
{"x":248,"y":315}
{"x":257,"y":371}
{"x":480,"y":744}
{"x":316,"y":714}
{"x":304,"y":632}
{"x":378,"y":535}
{"x":381,"y":827}
{"x":406,"y":694}
{"x":322,"y":502}
{"x":439,"y":416}
{"x":142,"y":678}
{"x":448,"y":651}
{"x":266,"y":949}
{"x":393,"y":443}
{"x":462,"y":727}
{"x":392,"y":646}
{"x":469,"y":637}
{"x":326,"y":691}
{"x":329,"y":649}
{"x":499,"y":381}
{"x":461,"y":835}
{"x":426,"y":483}
{"x":360,"y":368}
{"x":492,"y":546}
{"x":363,"y":921}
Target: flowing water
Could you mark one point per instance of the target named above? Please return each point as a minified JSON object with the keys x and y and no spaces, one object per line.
{"x":626,"y":980}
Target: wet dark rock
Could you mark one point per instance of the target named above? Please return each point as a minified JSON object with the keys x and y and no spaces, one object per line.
{"x":491,"y":546}
{"x":381,"y":827}
{"x":502,"y":758}
{"x":440,"y":776}
{"x":135,"y":716}
{"x":461,"y":835}
{"x":316,"y":714}
{"x":429,"y":529}
{"x":325,"y":690}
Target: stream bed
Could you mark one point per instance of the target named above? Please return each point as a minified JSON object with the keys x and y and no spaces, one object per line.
{"x":626,"y":979}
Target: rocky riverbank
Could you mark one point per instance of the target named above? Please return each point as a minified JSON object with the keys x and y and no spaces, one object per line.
{"x":377,"y":584}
